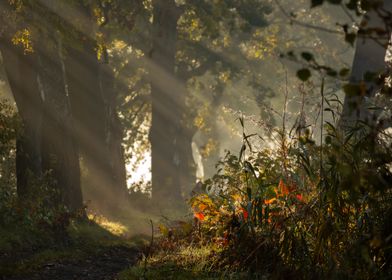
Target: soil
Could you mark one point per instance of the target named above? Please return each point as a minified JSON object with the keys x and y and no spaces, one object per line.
{"x":100,"y":266}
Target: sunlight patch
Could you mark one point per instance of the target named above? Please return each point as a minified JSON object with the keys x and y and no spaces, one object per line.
{"x":115,"y":228}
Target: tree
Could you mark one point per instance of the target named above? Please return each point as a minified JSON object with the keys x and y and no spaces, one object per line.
{"x":21,"y":66}
{"x":39,"y":86}
{"x":369,"y":66}
{"x":193,"y":41}
{"x":60,"y":153}
{"x":91,"y":86}
{"x":167,"y":103}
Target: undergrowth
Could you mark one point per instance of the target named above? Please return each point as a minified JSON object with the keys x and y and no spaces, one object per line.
{"x":300,"y":211}
{"x":304,"y":211}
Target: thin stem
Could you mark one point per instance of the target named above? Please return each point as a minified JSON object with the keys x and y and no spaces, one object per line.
{"x":284,"y":142}
{"x":322,"y":130}
{"x":304,"y":24}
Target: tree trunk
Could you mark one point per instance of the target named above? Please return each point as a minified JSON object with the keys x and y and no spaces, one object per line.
{"x":187,"y":171}
{"x":21,"y":70}
{"x":60,"y":154}
{"x":99,"y":131}
{"x":114,"y":134}
{"x":369,"y":58}
{"x":167,"y":105}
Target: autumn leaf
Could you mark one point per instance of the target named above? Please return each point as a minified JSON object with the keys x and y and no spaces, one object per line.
{"x":200,"y":216}
{"x":284,"y":190}
{"x":269,"y":201}
{"x":236,"y":197}
{"x":164,"y":230}
{"x":245,"y":213}
{"x":202,"y":206}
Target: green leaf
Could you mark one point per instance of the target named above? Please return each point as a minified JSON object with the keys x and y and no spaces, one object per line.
{"x":249,"y":167}
{"x":304,"y":74}
{"x":352,"y":89}
{"x":344,"y":72}
{"x":241,"y":121}
{"x":370,"y":76}
{"x":249,"y":193}
{"x":332,"y":73}
{"x":316,"y":3}
{"x":243,"y":148}
{"x":352,"y":5}
{"x":307,"y":56}
{"x":335,"y":2}
{"x":291,"y":54}
{"x":350,"y":38}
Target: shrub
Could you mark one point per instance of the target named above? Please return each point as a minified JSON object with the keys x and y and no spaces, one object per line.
{"x":304,"y":210}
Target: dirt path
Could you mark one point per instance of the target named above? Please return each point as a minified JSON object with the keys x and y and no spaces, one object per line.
{"x":102,"y":266}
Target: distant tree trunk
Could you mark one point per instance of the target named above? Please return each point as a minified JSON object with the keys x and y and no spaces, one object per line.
{"x":114,"y":133}
{"x":187,"y":130}
{"x":22,"y":73}
{"x":211,"y":159}
{"x":187,"y":170}
{"x":369,"y":58}
{"x":59,"y":149}
{"x":99,"y":131}
{"x":167,"y":105}
{"x":88,"y":108}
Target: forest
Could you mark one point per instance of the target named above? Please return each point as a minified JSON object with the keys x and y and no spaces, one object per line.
{"x":195,"y":139}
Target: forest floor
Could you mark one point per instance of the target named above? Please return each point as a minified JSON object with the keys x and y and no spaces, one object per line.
{"x":105,"y":264}
{"x":99,"y":248}
{"x":108,"y":249}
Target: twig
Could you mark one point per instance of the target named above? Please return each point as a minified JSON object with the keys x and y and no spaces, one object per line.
{"x":350,"y":16}
{"x":304,"y":24}
{"x":321,"y":131}
{"x":148,"y":254}
{"x":284,"y":140}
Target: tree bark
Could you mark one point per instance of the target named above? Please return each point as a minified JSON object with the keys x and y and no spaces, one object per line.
{"x":60,"y":155}
{"x":22,"y":74}
{"x":114,"y":133}
{"x":99,"y":131}
{"x":369,"y":58}
{"x":168,"y":104}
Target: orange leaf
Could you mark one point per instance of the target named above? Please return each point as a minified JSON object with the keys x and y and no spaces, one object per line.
{"x":283,"y":188}
{"x":200,"y":216}
{"x":270,"y":201}
{"x":202,"y":206}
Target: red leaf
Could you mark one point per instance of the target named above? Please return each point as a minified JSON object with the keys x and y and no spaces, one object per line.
{"x":245,"y":213}
{"x":200,"y":216}
{"x":283,"y":188}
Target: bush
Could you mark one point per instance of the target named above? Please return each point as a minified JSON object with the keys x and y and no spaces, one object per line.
{"x":303,"y":210}
{"x":40,"y":211}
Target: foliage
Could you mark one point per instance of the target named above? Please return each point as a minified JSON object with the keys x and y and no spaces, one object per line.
{"x":304,"y":211}
{"x":9,"y":126}
{"x":25,"y":251}
{"x":185,"y":262}
{"x":42,"y":211}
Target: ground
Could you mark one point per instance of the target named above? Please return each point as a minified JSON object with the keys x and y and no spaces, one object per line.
{"x":99,"y":248}
{"x":104,"y":264}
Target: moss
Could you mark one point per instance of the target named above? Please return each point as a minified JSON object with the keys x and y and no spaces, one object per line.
{"x":115,"y":228}
{"x":48,"y":256}
{"x":22,"y":238}
{"x":183,"y":262}
{"x":25,"y":250}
